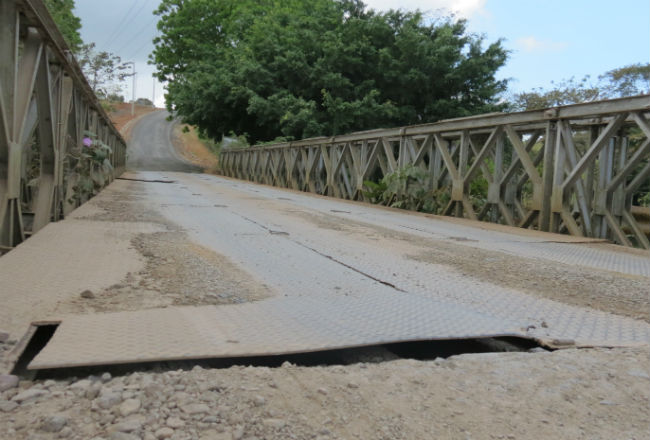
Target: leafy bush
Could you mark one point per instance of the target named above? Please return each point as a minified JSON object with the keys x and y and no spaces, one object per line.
{"x":644,"y":200}
{"x":214,"y":147}
{"x":234,"y":142}
{"x":407,"y":188}
{"x":93,"y":167}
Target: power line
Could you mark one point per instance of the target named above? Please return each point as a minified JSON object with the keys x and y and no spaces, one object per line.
{"x":115,"y":31}
{"x":126,"y":23}
{"x":137,"y":52}
{"x":130,"y":40}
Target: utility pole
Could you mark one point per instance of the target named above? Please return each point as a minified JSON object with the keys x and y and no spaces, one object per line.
{"x":132,"y":63}
{"x":133,"y":102}
{"x":153,"y":95}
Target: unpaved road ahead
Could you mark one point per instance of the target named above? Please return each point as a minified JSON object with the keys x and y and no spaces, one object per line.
{"x":214,"y":242}
{"x":150,"y":147}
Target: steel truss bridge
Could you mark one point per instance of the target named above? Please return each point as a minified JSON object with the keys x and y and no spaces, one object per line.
{"x":46,"y":110}
{"x":576,"y":169}
{"x":330,"y":274}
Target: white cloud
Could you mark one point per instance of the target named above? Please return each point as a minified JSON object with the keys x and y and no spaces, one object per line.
{"x":532,"y":44}
{"x":463,"y":8}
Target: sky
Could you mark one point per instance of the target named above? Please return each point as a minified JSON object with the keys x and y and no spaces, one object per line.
{"x":548,"y":40}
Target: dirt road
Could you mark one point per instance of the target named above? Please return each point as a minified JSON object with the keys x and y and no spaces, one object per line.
{"x":210,"y":241}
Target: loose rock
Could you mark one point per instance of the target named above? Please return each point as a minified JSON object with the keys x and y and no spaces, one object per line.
{"x":175,"y":422}
{"x":108,"y":400}
{"x":93,"y":391}
{"x":130,"y":406}
{"x":163,"y":433}
{"x":123,"y":436}
{"x":7,"y":405}
{"x":195,"y":408}
{"x":274,"y":423}
{"x":214,"y":435}
{"x":8,"y":381}
{"x":87,"y":294}
{"x":128,"y":425}
{"x":53,"y":423}
{"x":238,"y":433}
{"x":30,"y":394}
{"x":82,"y":385}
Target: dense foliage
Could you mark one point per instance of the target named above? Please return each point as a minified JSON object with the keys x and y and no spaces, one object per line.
{"x":407,"y":188}
{"x":68,"y":23}
{"x":617,"y":83}
{"x":300,"y":68}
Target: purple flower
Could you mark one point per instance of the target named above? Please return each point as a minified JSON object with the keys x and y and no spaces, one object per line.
{"x":88,"y":142}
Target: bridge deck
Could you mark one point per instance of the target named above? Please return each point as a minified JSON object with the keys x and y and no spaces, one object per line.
{"x":341,"y":274}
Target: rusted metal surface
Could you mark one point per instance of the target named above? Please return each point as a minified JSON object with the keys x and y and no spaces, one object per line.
{"x":46,"y":109}
{"x":576,"y":169}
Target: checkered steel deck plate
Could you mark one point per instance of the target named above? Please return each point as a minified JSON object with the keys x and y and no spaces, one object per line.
{"x":559,"y":248}
{"x":271,"y":327}
{"x":336,"y":302}
{"x":278,"y":326}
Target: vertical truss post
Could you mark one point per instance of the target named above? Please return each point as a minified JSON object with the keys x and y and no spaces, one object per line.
{"x":11,"y":230}
{"x":551,"y":182}
{"x":463,"y":158}
{"x":38,"y":80}
{"x":548,"y":175}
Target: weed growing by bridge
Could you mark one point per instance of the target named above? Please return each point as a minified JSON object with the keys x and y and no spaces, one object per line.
{"x":91,"y":167}
{"x":407,"y":188}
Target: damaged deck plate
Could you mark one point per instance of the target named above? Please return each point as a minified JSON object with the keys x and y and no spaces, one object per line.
{"x":381,"y":277}
{"x":287,"y":326}
{"x":277,"y":326}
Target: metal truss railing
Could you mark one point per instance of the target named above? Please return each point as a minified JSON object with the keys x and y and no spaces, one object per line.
{"x":575,"y":169}
{"x":46,"y":110}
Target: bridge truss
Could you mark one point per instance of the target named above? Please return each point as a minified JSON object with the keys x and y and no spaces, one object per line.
{"x":578,"y":169}
{"x":47,"y":109}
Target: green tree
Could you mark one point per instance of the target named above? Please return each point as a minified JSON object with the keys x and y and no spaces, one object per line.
{"x":68,"y":23}
{"x":564,"y":92}
{"x":144,"y":101}
{"x":103,"y":70}
{"x":298,"y":68}
{"x":114,"y":97}
{"x":629,"y":80}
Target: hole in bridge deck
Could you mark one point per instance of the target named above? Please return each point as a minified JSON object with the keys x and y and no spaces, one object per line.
{"x":420,"y":350}
{"x":36,"y":343}
{"x":427,"y":350}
